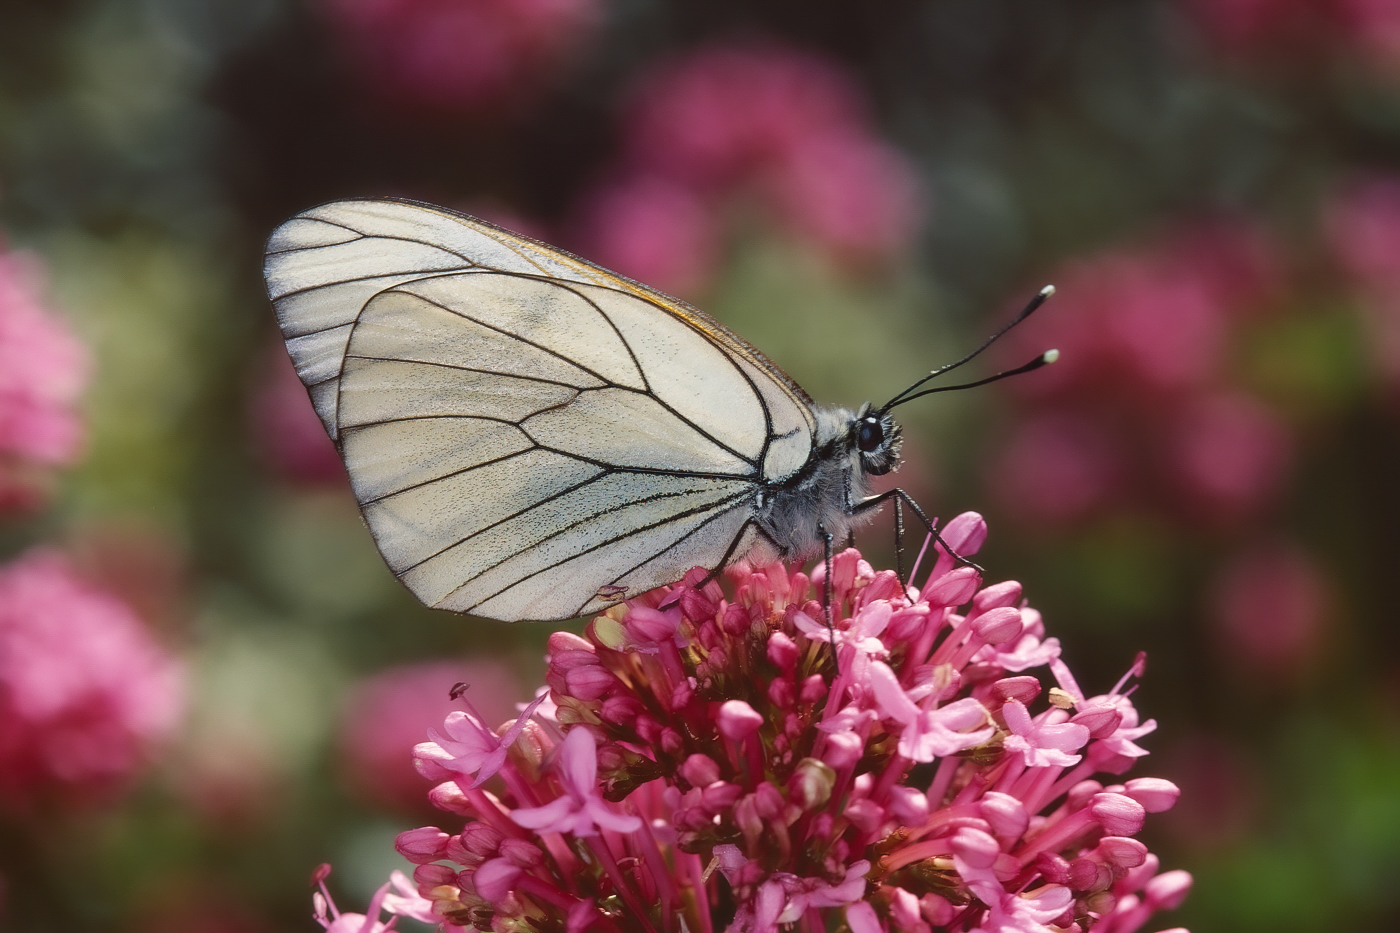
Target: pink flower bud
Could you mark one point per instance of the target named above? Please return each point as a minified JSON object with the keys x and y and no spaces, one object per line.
{"x":620,"y":710}
{"x":423,"y":845}
{"x":747,"y":819}
{"x":1053,"y":868}
{"x":561,"y":642}
{"x":734,"y":621}
{"x":681,"y":696}
{"x":495,"y":879}
{"x":768,"y":800}
{"x":738,"y":720}
{"x":696,"y":604}
{"x":905,"y":624}
{"x":884,"y":586}
{"x":1117,"y":814}
{"x":611,"y":757}
{"x":909,"y":805}
{"x":842,"y":749}
{"x":979,"y":849}
{"x":481,"y":840}
{"x":448,"y":796}
{"x":1156,"y":795}
{"x":937,"y":910}
{"x":1167,"y":890}
{"x":813,"y":689}
{"x":650,"y":626}
{"x":432,"y":875}
{"x":1121,"y":851}
{"x":865,"y":814}
{"x":811,"y":783}
{"x":1005,"y":814}
{"x":965,"y":534}
{"x":998,"y":625}
{"x":954,"y":588}
{"x":1021,"y":689}
{"x":1101,"y":721}
{"x":782,"y":651}
{"x":720,"y":797}
{"x":700,"y":770}
{"x":997,"y":596}
{"x":782,"y":693}
{"x":1101,"y":902}
{"x":460,"y":854}
{"x":1079,"y":794}
{"x":591,"y":682}
{"x":521,"y":853}
{"x":1082,"y":874}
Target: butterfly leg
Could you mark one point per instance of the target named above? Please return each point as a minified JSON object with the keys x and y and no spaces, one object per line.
{"x":900,"y":496}
{"x":827,"y":611}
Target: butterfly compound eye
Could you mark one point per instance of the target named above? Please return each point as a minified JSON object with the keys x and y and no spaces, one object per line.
{"x":869,"y":435}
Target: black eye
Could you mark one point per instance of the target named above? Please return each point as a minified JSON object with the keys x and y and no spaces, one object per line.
{"x":869,"y":435}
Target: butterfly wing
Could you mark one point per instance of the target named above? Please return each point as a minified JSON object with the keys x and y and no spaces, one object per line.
{"x":528,"y":435}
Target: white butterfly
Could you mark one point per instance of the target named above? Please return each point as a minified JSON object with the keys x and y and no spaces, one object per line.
{"x":530,"y":436}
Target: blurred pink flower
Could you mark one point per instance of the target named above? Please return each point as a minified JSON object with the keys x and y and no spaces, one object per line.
{"x":387,"y":714}
{"x":85,"y":693}
{"x":1238,"y":25}
{"x":710,"y":754}
{"x":1293,"y":31}
{"x":1228,"y":453}
{"x":1140,"y":407}
{"x":781,"y":128}
{"x":1056,"y":467}
{"x":461,"y":53}
{"x":1375,"y":27}
{"x":653,"y":230}
{"x":1362,"y":221}
{"x":1269,"y":608}
{"x":286,"y":430}
{"x":718,"y":117}
{"x":1139,"y":320}
{"x":43,"y":369}
{"x":1219,"y":792}
{"x":849,"y":192}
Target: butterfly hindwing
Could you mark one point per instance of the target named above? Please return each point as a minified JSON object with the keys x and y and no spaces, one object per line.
{"x":528,"y":436}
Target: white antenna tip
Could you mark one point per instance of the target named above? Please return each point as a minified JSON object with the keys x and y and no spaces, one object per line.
{"x":1047,"y":291}
{"x":1051,"y":356}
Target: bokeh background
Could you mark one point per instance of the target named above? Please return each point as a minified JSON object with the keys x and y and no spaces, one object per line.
{"x":208,"y":681}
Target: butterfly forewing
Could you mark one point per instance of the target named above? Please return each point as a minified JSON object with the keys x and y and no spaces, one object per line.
{"x":529,"y":436}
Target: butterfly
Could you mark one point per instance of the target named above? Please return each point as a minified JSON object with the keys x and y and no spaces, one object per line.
{"x":530,"y":436}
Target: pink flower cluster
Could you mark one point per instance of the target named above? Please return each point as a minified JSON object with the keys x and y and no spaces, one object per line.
{"x":1370,"y":27}
{"x":85,"y":692}
{"x":1143,"y":410}
{"x":780,"y":128}
{"x":1363,"y":224}
{"x":456,"y":54}
{"x":43,"y":369}
{"x":286,"y":430}
{"x":384,"y":714}
{"x":708,"y":760}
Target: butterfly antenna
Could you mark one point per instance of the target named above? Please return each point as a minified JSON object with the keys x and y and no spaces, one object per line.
{"x":1045,"y":359}
{"x":1026,"y":312}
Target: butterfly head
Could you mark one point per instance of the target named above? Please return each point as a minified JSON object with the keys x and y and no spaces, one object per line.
{"x":876,"y":437}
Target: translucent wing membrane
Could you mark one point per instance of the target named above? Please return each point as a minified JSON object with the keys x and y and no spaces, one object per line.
{"x":529,"y":436}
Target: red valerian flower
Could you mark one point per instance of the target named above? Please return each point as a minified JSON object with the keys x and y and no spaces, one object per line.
{"x":710,"y":758}
{"x":85,"y":691}
{"x":43,"y":370}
